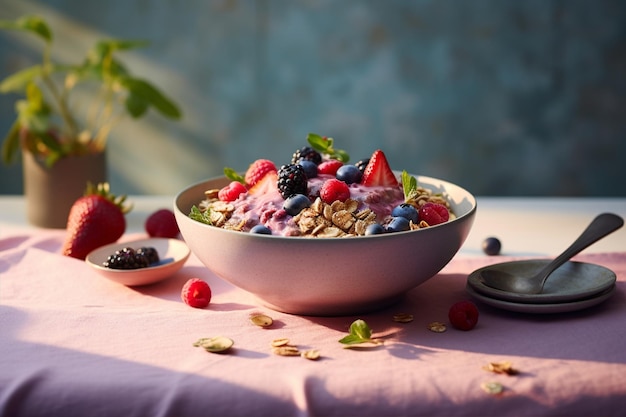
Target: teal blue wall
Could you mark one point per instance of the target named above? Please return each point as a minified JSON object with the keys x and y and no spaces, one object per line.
{"x":503,"y":97}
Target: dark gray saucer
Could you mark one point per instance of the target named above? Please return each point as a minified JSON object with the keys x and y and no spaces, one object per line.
{"x":545,"y":308}
{"x":572,"y":281}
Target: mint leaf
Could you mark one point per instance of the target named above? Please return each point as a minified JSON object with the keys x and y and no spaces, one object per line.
{"x":360,"y":332}
{"x":361,"y":329}
{"x":234,"y":175}
{"x":351,"y":339}
{"x":324,"y":145}
{"x":199,"y":216}
{"x":409,"y":186}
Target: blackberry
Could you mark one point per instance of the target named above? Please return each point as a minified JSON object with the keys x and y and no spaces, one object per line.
{"x":362,"y":164}
{"x":150,"y":253}
{"x":291,"y":180}
{"x":126,"y":258}
{"x":308,"y":154}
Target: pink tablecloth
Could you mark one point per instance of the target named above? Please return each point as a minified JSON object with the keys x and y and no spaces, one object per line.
{"x":74,"y":344}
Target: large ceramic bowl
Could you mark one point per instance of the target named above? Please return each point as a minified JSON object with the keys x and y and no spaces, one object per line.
{"x":327,"y":276}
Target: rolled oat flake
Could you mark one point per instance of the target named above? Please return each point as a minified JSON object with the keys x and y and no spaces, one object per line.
{"x":283,"y":341}
{"x":286,"y":350}
{"x":312,"y":354}
{"x":403,"y":317}
{"x":437,"y":327}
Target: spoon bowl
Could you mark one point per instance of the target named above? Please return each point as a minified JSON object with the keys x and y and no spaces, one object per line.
{"x":601,"y":226}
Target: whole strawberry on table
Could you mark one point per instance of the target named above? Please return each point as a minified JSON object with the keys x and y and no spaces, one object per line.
{"x":95,"y":220}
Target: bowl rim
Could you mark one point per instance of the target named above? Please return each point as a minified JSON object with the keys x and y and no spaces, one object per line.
{"x":472,"y":200}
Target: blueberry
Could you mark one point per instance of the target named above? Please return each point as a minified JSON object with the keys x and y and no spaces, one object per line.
{"x":374,"y":229}
{"x":398,"y":224}
{"x":492,"y":246}
{"x":349,"y":174}
{"x":261,"y":230}
{"x":310,"y":168}
{"x":407,"y":211}
{"x":296,"y":203}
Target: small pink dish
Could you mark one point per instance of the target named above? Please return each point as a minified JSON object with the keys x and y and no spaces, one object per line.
{"x":172,"y":252}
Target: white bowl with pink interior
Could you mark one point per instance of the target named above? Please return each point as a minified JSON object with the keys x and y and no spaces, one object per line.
{"x":327,"y":276}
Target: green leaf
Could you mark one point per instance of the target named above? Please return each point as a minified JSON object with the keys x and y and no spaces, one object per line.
{"x":11,"y":143}
{"x":50,"y":142}
{"x":52,"y":158}
{"x":35,"y":99}
{"x":351,"y":339}
{"x":324,"y":145}
{"x":342,"y":155}
{"x":318,"y":143}
{"x":150,"y":94}
{"x":360,"y":332}
{"x":33,"y":24}
{"x":199,"y":216}
{"x":361,"y":329}
{"x":136,"y":106}
{"x":234,"y":175}
{"x":409,"y":186}
{"x":95,"y":69}
{"x":18,"y":81}
{"x":109,"y":46}
{"x":33,"y":119}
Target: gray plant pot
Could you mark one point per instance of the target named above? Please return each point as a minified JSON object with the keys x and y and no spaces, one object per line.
{"x":50,"y":192}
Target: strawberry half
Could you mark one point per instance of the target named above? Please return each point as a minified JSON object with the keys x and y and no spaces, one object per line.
{"x":378,"y":172}
{"x":95,"y":220}
{"x":257,"y":170}
{"x":267,"y":184}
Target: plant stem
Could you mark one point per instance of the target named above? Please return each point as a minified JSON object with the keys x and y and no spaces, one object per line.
{"x":60,"y":99}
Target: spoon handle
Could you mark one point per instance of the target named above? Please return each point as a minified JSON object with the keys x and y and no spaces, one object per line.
{"x":601,"y":226}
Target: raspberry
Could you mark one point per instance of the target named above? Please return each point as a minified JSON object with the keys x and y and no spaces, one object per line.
{"x":334,"y":189}
{"x":433,"y":213}
{"x":196,"y":293}
{"x":162,"y":223}
{"x":329,"y":167}
{"x":231,"y":191}
{"x":463,"y":315}
{"x":257,"y":170}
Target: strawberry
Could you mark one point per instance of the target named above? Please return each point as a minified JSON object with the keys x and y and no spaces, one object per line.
{"x":378,"y":172}
{"x":334,"y":189}
{"x":257,"y":170}
{"x":329,"y":167}
{"x":463,"y":315}
{"x":267,"y":184}
{"x":162,"y":223}
{"x":231,"y":191}
{"x":95,"y":220}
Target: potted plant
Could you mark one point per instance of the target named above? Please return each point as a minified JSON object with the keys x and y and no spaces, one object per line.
{"x":63,"y":145}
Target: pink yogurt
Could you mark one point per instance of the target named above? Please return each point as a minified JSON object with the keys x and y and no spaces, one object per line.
{"x":267,"y":209}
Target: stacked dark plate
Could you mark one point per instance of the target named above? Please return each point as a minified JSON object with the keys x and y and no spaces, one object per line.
{"x":573,"y":286}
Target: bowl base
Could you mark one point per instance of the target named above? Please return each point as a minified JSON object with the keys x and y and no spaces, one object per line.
{"x":332,"y":310}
